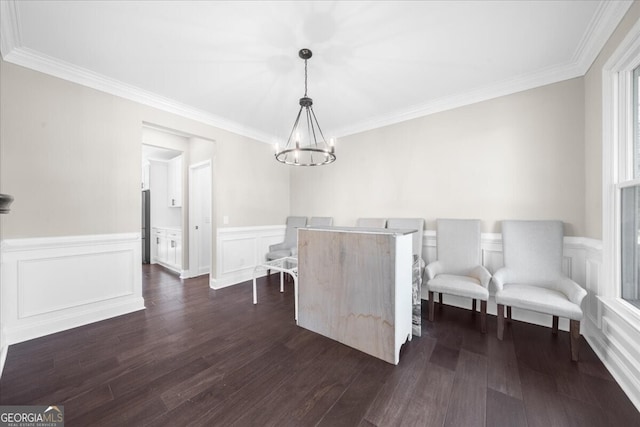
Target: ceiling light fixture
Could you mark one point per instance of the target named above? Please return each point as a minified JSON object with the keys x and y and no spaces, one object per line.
{"x":306,"y":145}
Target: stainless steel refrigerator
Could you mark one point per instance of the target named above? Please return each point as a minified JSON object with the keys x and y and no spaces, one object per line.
{"x":146,"y":227}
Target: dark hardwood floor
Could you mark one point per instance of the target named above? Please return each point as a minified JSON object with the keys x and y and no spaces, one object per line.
{"x":197,"y":356}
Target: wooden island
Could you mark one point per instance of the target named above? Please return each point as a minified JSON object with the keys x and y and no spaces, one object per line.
{"x":354,"y":286}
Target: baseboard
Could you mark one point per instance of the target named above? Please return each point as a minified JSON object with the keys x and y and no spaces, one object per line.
{"x":236,"y":278}
{"x":65,"y":321}
{"x":184,"y":274}
{"x":190,"y":274}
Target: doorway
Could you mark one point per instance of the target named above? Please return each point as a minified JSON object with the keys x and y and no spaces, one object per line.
{"x":162,"y":207}
{"x":200,"y":218}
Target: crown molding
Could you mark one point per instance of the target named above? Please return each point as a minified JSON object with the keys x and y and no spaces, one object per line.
{"x":604,"y":22}
{"x":9,"y":27}
{"x":508,"y":87}
{"x":602,"y":25}
{"x":37,"y":61}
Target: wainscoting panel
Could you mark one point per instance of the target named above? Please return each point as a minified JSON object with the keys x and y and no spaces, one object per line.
{"x":240,"y":249}
{"x":492,"y":259}
{"x":238,"y":254}
{"x":53,"y":284}
{"x":618,"y":334}
{"x":592,"y":280}
{"x":37,"y":279}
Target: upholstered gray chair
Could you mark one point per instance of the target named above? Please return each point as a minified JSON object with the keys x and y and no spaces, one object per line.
{"x":532,"y":277}
{"x":290,"y":245}
{"x":371,"y":222}
{"x":413,"y":224}
{"x":321,"y":221}
{"x":458,"y":269}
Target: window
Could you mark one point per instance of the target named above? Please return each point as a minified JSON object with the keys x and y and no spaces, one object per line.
{"x":630,"y":243}
{"x":621,"y":179}
{"x":629,"y":187}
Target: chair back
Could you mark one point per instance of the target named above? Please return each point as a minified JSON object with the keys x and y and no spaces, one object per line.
{"x":532,"y":250}
{"x":321,"y":221}
{"x":291,"y":232}
{"x":371,"y":222}
{"x":458,"y":245}
{"x":413,"y":224}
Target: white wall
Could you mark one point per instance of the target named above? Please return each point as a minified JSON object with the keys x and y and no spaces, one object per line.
{"x":69,"y":156}
{"x":517,"y":156}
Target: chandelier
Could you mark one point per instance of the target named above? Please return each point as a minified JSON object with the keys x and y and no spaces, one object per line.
{"x":306,"y":145}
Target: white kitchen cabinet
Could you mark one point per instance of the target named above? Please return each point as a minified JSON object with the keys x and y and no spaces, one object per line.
{"x":160,"y":241}
{"x":145,"y":175}
{"x":168,"y":248}
{"x":174,"y":247}
{"x":174,"y":182}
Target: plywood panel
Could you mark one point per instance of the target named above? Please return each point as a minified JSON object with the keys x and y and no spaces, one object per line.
{"x":347,"y":289}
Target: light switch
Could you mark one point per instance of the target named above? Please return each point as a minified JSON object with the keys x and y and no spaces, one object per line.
{"x":225,"y":220}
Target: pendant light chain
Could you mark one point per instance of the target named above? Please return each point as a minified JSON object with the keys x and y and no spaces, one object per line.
{"x":305,"y":77}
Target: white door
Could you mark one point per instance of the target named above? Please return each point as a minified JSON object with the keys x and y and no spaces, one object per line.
{"x":200,"y":218}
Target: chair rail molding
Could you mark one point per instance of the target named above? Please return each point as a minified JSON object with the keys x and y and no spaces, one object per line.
{"x":58,"y":283}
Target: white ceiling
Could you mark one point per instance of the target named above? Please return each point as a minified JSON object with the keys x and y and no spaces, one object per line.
{"x":235,"y":64}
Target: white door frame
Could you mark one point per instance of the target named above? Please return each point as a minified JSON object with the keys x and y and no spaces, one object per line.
{"x":192,"y":243}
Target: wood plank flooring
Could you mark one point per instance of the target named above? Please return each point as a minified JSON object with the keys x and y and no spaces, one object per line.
{"x":197,"y":356}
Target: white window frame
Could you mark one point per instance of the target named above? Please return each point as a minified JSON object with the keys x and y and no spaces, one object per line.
{"x":617,"y":164}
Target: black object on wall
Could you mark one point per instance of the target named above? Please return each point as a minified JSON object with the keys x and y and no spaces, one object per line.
{"x":5,"y":202}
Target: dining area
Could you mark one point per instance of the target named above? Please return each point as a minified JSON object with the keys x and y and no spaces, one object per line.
{"x":363,"y":286}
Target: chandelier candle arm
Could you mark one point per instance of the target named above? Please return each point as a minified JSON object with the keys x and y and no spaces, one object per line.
{"x":308,"y":146}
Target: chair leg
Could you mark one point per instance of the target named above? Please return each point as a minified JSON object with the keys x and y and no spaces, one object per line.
{"x":500,"y":321}
{"x":554,"y":328}
{"x":574,"y":330}
{"x":509,"y":314}
{"x":440,"y":298}
{"x":483,"y":316}
{"x":473,"y":306}
{"x":432,"y":306}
